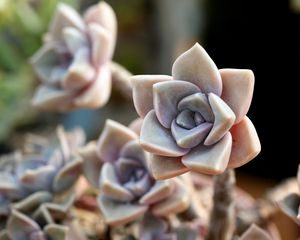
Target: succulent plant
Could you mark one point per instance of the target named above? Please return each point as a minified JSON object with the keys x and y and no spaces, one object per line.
{"x":290,"y":204}
{"x":73,"y":64}
{"x":196,"y":118}
{"x":118,"y":166}
{"x":47,"y":169}
{"x":255,"y":232}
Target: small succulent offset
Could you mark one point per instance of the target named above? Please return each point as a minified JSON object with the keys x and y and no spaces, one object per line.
{"x":118,"y":166}
{"x":73,"y":64}
{"x":48,"y":168}
{"x":196,"y":119}
{"x":290,"y":205}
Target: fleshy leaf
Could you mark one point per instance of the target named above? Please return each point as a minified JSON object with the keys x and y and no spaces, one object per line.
{"x":290,"y":205}
{"x":211,"y":159}
{"x":158,"y":140}
{"x":142,"y":91}
{"x":166,"y":96}
{"x":133,"y":150}
{"x":238,"y":85}
{"x":254,"y":232}
{"x":162,"y":167}
{"x":224,"y":119}
{"x":114,"y":136}
{"x":117,"y":213}
{"x":56,"y":232}
{"x":177,"y":202}
{"x":110,"y":185}
{"x":196,"y":66}
{"x":246,"y":144}
{"x":74,"y":39}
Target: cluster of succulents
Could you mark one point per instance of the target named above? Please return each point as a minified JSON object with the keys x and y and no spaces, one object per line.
{"x":138,"y":177}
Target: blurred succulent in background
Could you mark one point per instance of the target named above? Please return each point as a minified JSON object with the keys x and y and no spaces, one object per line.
{"x":46,"y":166}
{"x":290,"y":205}
{"x":74,"y":62}
{"x":254,"y":232}
{"x":22,"y":23}
{"x":196,"y":118}
{"x":118,"y":166}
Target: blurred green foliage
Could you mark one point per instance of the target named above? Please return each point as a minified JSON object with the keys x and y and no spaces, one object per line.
{"x":22,"y":25}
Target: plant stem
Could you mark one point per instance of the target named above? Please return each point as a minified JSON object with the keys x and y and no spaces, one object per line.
{"x":222,"y":219}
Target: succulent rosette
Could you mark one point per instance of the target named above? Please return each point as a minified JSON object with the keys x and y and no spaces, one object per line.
{"x":73,"y":64}
{"x":290,"y":204}
{"x":117,"y":165}
{"x":47,"y":169}
{"x":196,"y":119}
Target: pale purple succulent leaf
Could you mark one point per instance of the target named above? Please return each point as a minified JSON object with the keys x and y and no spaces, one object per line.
{"x":162,"y":167}
{"x":97,"y":93}
{"x":290,"y":205}
{"x":166,"y":96}
{"x":196,"y":66}
{"x":110,"y":185}
{"x":74,"y":39}
{"x":255,"y":232}
{"x":8,"y":184}
{"x":56,"y":232}
{"x":50,"y":99}
{"x":20,"y":227}
{"x":224,"y":119}
{"x":91,"y":165}
{"x":31,"y":202}
{"x":158,"y":140}
{"x":103,"y":15}
{"x":80,"y":72}
{"x":102,"y":44}
{"x":114,"y":136}
{"x":65,"y":16}
{"x":153,"y":228}
{"x":68,"y":175}
{"x":140,"y":187}
{"x":133,"y":150}
{"x":185,"y":119}
{"x":197,"y":103}
{"x":246,"y":144}
{"x":142,"y":91}
{"x":136,"y":125}
{"x":159,"y":191}
{"x":211,"y":159}
{"x":44,"y":63}
{"x":177,"y":202}
{"x":238,"y":86}
{"x":186,"y":138}
{"x":118,"y":213}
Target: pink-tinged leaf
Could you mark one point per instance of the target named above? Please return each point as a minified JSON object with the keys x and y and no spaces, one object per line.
{"x":65,"y":16}
{"x":159,"y":191}
{"x":196,"y":66}
{"x":56,"y":232}
{"x":20,"y":227}
{"x":211,"y":159}
{"x":98,"y":92}
{"x":238,"y":85}
{"x":110,"y":185}
{"x":113,"y":137}
{"x":246,"y":144}
{"x":158,"y":140}
{"x":133,"y":150}
{"x":177,"y":202}
{"x":136,"y":125}
{"x":118,"y":213}
{"x":189,"y":138}
{"x":80,"y":72}
{"x":166,"y":96}
{"x":224,"y":119}
{"x":142,"y":91}
{"x":162,"y":167}
{"x":255,"y":233}
{"x":290,"y":205}
{"x":91,"y":165}
{"x":103,"y":15}
{"x":102,"y":44}
{"x":68,"y":175}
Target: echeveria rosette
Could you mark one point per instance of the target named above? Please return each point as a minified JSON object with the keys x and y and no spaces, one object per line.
{"x":73,"y":64}
{"x":117,"y":165}
{"x":196,"y":119}
{"x":290,"y":205}
{"x":50,"y":168}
